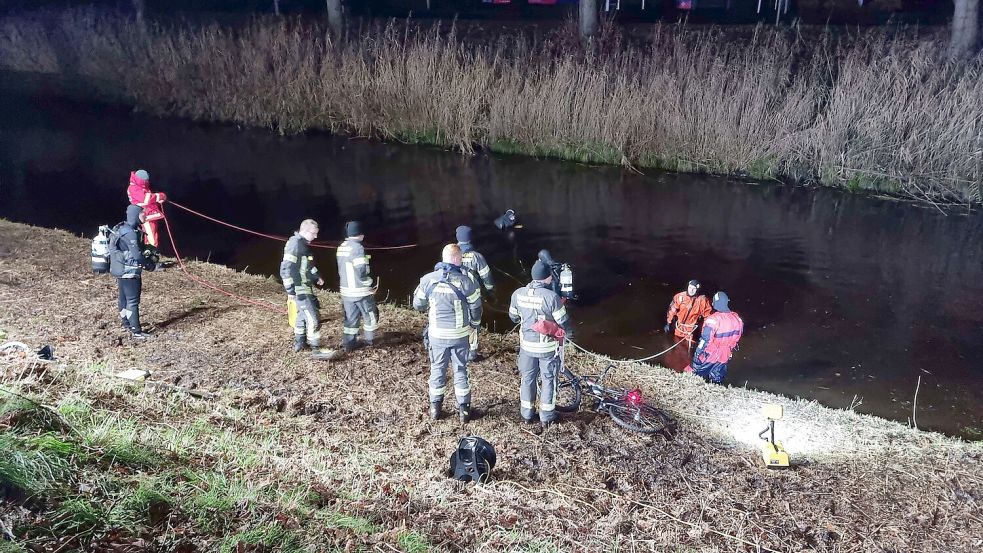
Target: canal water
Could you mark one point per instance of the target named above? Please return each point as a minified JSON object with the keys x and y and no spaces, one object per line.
{"x":846,"y":299}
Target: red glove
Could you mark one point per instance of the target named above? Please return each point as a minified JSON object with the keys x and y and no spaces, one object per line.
{"x":161,"y":197}
{"x":549,"y":328}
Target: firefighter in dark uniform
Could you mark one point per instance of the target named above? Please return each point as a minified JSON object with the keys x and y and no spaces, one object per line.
{"x":532,"y":306}
{"x":452,"y":302}
{"x":299,"y":274}
{"x":357,"y":289}
{"x":475,"y":263}
{"x":127,"y":264}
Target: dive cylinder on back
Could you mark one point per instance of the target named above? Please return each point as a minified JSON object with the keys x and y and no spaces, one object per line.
{"x":100,"y":251}
{"x":566,"y":281}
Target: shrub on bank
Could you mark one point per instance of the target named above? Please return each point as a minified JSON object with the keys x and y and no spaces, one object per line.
{"x":876,"y":110}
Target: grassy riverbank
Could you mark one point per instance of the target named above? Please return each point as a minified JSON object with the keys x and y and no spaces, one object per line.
{"x":292,"y":454}
{"x":872,"y":110}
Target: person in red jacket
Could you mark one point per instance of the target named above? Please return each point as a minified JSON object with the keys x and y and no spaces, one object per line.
{"x":688,"y":308}
{"x":721,"y":332}
{"x":140,"y":194}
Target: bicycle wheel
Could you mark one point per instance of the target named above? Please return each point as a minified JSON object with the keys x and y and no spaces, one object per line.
{"x":567,"y":391}
{"x":641,"y":418}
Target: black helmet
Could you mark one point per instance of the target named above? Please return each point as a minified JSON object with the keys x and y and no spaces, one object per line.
{"x":473,"y":460}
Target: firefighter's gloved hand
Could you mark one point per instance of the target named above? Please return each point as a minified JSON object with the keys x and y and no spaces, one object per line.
{"x":320,"y":282}
{"x":667,"y":328}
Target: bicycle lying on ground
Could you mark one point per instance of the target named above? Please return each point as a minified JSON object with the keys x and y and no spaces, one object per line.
{"x":626,"y":407}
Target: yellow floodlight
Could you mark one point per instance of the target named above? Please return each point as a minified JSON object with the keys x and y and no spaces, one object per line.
{"x":772,"y":452}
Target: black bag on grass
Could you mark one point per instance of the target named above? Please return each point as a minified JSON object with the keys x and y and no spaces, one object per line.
{"x":473,"y":460}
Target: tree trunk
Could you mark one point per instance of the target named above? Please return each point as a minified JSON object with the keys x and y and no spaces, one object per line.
{"x":965,"y":28}
{"x":335,"y":21}
{"x":588,"y":18}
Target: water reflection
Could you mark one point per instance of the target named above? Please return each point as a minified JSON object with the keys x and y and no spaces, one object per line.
{"x":842,"y":295}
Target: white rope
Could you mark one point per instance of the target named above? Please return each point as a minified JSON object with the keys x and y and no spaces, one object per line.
{"x":626,"y":361}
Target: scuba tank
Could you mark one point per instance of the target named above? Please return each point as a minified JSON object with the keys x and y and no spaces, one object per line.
{"x":100,"y":251}
{"x":562,"y":275}
{"x":566,"y":281}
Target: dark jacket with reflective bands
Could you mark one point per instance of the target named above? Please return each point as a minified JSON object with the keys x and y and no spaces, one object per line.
{"x":354,"y":273}
{"x":530,"y":304}
{"x":452,"y":301}
{"x":130,"y":243}
{"x":297,"y":269}
{"x":476,"y":262}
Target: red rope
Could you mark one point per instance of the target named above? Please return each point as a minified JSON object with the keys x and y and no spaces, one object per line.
{"x":274,"y":236}
{"x":202,"y":215}
{"x":207,"y":284}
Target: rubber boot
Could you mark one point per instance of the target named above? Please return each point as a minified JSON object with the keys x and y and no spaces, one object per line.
{"x":464,"y":412}
{"x":299,"y":342}
{"x":435,"y":410}
{"x":326,"y":354}
{"x":349,"y":344}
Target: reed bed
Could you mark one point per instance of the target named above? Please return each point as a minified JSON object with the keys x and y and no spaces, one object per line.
{"x":877,"y":109}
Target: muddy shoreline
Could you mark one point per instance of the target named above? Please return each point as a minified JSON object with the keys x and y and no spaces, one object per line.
{"x":859,"y":483}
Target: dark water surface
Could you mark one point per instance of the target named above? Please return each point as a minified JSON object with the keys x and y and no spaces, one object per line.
{"x":843,"y":296}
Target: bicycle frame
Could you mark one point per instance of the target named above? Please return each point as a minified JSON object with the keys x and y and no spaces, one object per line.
{"x":626,"y":407}
{"x":602,"y":393}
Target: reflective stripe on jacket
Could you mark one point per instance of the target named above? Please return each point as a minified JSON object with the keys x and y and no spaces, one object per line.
{"x":139,"y":193}
{"x":130,"y":244}
{"x":297,"y":268}
{"x":452,"y":302}
{"x":354,"y":274}
{"x":476,"y":262}
{"x":688,"y":311}
{"x":531,"y":304}
{"x":721,"y":333}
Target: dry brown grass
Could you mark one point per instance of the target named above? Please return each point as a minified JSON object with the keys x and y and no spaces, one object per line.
{"x":875,"y":110}
{"x":356,"y":432}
